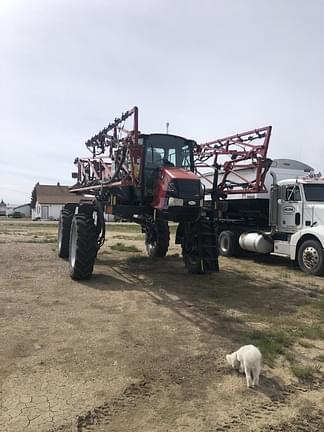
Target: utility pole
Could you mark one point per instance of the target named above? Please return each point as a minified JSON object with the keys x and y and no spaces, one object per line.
{"x":167,"y":127}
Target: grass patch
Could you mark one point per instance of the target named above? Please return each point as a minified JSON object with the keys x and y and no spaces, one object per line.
{"x":129,"y":237}
{"x":305,"y":344}
{"x":302,"y":326}
{"x":124,"y":227}
{"x":313,"y":285}
{"x":146,"y":373}
{"x":290,"y":356}
{"x":133,"y":227}
{"x":121,"y":247}
{"x":284,"y":275}
{"x":270,"y":343}
{"x":105,"y":252}
{"x":313,"y":331}
{"x":38,"y":240}
{"x":139,"y":259}
{"x":318,"y":308}
{"x":305,"y":372}
{"x":275,"y":286}
{"x":34,"y":224}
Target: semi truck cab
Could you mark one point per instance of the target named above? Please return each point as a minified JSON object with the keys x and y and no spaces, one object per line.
{"x":287,"y":222}
{"x":297,"y":219}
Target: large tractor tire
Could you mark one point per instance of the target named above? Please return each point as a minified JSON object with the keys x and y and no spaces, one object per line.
{"x":64,"y":229}
{"x":199,"y":248}
{"x":310,"y":257}
{"x":157,"y":239}
{"x":190,"y":250}
{"x":83,"y":246}
{"x":228,"y":244}
{"x":192,"y":260}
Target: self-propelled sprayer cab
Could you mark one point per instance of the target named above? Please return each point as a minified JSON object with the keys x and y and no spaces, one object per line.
{"x":166,"y":181}
{"x":167,"y":178}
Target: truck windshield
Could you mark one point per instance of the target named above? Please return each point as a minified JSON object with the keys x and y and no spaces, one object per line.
{"x":168,"y":150}
{"x":314,"y":192}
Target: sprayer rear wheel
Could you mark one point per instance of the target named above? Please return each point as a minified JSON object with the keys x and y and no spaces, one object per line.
{"x":83,"y":246}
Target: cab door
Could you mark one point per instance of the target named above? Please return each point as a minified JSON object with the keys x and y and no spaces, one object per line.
{"x":290,"y":209}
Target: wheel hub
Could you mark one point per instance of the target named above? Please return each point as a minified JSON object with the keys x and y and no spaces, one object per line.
{"x":73,"y":247}
{"x":224,"y":244}
{"x":59,"y":239}
{"x":310,"y":257}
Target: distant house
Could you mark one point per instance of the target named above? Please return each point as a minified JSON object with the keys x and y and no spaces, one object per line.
{"x":24,"y":210}
{"x":3,"y":208}
{"x":48,"y":200}
{"x":10,"y":209}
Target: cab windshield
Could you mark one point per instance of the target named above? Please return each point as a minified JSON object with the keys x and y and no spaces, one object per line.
{"x":314,"y":192}
{"x":169,"y":151}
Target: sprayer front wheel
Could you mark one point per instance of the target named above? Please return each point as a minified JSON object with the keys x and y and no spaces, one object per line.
{"x":157,"y":239}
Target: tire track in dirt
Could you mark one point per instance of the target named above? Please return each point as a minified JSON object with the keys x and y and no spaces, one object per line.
{"x":187,"y":373}
{"x":181,"y":373}
{"x":264,"y":409}
{"x":313,"y":422}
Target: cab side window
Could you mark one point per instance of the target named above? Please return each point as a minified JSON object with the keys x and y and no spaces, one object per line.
{"x":154,"y":157}
{"x":292,"y":193}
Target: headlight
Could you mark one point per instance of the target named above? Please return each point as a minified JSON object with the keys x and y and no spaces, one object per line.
{"x":175,"y":202}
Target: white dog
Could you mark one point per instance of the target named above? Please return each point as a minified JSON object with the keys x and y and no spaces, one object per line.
{"x":247,"y":359}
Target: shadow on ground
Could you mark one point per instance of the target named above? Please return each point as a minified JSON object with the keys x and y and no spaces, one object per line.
{"x":218,"y":303}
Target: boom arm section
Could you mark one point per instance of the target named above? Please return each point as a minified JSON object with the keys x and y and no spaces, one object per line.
{"x":122,"y":161}
{"x":239,"y":162}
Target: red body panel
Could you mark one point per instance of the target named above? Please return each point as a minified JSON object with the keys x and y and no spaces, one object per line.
{"x":180,"y":173}
{"x":166,"y":175}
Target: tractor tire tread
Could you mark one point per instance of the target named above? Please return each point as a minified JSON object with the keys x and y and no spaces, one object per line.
{"x":86,"y":247}
{"x":65,"y":223}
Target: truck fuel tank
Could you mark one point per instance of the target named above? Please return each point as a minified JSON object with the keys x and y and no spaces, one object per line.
{"x":255,"y":242}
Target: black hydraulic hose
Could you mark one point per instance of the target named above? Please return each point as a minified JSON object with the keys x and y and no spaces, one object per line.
{"x":101,"y":224}
{"x":119,"y":166}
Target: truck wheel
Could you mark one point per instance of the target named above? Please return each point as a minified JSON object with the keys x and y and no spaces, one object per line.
{"x":157,"y":238}
{"x":310,"y":257}
{"x":83,"y":246}
{"x":64,"y":228}
{"x":228,"y":244}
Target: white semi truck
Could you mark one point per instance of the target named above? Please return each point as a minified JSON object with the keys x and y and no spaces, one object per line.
{"x":287,"y":221}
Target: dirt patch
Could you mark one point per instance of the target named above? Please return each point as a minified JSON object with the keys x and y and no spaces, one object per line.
{"x":141,"y":345}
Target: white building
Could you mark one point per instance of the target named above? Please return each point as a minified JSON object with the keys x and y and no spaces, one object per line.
{"x":48,"y":200}
{"x":3,"y":208}
{"x":24,"y":210}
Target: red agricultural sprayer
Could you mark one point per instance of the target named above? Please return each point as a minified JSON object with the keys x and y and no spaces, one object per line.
{"x":152,"y":179}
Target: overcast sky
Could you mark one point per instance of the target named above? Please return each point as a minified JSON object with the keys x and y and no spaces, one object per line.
{"x":209,"y":67}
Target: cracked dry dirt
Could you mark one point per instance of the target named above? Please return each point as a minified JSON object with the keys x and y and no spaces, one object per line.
{"x":141,"y":346}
